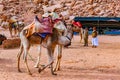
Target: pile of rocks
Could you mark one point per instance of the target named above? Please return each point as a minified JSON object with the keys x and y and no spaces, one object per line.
{"x":26,"y":9}
{"x":11,"y":43}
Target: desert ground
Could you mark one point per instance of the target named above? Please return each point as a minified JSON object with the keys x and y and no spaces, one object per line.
{"x":78,"y":62}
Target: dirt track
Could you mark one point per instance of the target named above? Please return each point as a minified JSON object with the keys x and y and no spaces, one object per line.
{"x":78,"y":62}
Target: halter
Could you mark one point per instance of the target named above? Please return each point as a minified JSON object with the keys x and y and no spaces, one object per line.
{"x":68,"y":38}
{"x":57,"y":20}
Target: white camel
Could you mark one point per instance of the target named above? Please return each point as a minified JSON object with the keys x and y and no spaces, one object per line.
{"x":52,"y":40}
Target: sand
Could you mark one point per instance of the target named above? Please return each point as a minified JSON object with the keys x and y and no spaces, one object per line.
{"x":78,"y":62}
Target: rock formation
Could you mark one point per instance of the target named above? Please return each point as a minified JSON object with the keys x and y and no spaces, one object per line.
{"x":26,"y":9}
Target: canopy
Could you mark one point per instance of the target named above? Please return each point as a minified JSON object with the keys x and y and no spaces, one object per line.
{"x":99,"y":21}
{"x":116,"y":19}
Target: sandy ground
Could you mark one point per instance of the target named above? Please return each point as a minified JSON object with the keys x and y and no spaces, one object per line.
{"x":78,"y":62}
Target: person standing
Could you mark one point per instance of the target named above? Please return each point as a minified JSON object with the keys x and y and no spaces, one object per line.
{"x":94,"y":38}
{"x":85,"y":35}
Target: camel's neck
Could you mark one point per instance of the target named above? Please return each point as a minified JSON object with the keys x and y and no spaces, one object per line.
{"x":70,"y":35}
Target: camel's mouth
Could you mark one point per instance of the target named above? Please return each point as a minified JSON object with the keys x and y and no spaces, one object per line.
{"x":68,"y":44}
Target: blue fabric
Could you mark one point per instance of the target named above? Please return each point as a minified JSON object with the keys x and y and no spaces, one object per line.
{"x":43,"y":35}
{"x":13,"y":25}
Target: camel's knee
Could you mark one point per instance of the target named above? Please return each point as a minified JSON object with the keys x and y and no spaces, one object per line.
{"x":25,"y":57}
{"x":59,"y":56}
{"x":37,"y":63}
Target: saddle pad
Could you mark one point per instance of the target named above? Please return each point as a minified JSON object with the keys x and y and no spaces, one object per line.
{"x":77,"y":24}
{"x":44,"y":26}
{"x":43,"y":35}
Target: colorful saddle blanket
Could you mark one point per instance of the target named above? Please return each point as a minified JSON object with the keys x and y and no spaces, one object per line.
{"x":39,"y":26}
{"x":44,"y":25}
{"x":77,"y":24}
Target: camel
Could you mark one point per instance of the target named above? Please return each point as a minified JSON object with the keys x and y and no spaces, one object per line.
{"x":79,"y":30}
{"x":16,"y":26}
{"x":51,"y":41}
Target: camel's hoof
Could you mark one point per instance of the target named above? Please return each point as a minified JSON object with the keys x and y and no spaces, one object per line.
{"x":30,"y":73}
{"x":39,"y":70}
{"x":54,"y":73}
{"x":49,"y":66}
{"x":66,"y":46}
{"x":56,"y":70}
{"x":37,"y":66}
{"x":19,"y":70}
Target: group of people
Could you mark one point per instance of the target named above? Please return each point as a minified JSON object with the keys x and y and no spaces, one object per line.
{"x":85,"y":33}
{"x":94,"y":37}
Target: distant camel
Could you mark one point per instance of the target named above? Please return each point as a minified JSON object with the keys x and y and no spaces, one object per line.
{"x":14,"y":27}
{"x":51,"y":41}
{"x":79,"y":30}
{"x":17,"y":27}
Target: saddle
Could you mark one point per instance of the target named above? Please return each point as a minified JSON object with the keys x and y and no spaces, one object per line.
{"x":77,"y":24}
{"x":44,"y":25}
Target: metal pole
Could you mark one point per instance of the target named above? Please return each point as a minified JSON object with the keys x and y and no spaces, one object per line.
{"x":99,"y":26}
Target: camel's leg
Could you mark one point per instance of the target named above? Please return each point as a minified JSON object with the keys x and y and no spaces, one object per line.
{"x":80,"y":37}
{"x":81,"y":33}
{"x":51,"y":60}
{"x":10,"y":29}
{"x":38,"y":60}
{"x":50,"y":51}
{"x":39,"y":70}
{"x":57,"y":67}
{"x":15,"y":31}
{"x":53,"y":73}
{"x":26,"y":48}
{"x":18,"y":30}
{"x":50,"y":55}
{"x":19,"y":55}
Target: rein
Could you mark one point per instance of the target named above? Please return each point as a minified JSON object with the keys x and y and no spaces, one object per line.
{"x":57,"y":20}
{"x":68,"y":38}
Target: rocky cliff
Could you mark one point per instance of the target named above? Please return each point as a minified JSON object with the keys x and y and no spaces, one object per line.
{"x":25,"y":9}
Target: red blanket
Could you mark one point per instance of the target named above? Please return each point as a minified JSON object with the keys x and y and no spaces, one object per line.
{"x":77,"y":24}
